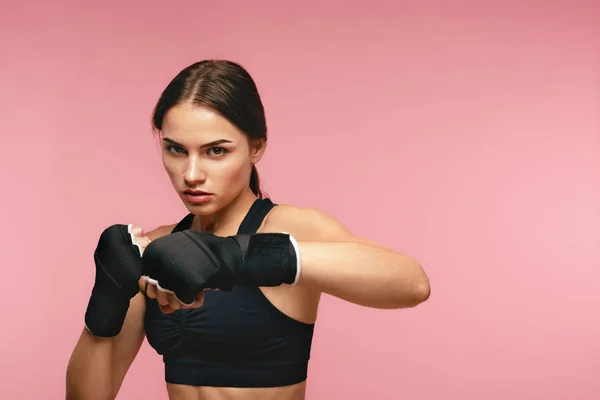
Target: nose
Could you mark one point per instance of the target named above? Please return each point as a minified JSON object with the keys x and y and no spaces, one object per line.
{"x":194,"y":173}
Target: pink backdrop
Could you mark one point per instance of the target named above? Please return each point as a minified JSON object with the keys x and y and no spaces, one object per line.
{"x":464,"y":135}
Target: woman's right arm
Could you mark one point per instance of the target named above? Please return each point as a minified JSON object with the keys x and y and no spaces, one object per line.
{"x":98,"y":365}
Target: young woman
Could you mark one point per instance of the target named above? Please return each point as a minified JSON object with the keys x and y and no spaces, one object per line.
{"x":250,"y":337}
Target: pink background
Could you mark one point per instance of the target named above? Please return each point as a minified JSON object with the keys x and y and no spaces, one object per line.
{"x":463,"y":134}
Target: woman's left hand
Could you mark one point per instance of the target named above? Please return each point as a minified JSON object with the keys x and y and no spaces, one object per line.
{"x":167,"y":300}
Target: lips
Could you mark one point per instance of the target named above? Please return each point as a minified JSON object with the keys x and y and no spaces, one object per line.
{"x":197,"y":197}
{"x":196,"y":192}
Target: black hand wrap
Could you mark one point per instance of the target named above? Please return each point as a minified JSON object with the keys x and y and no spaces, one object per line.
{"x":188,"y":262}
{"x":118,"y":269}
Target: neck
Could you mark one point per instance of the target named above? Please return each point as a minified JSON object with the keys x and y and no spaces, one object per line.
{"x":228,"y":219}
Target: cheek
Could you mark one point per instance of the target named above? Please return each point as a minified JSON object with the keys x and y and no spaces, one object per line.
{"x":230,"y":174}
{"x":173,"y":166}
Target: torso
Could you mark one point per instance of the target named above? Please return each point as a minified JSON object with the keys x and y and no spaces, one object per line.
{"x":296,"y":302}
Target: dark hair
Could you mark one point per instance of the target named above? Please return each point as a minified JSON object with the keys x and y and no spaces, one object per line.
{"x":226,"y":88}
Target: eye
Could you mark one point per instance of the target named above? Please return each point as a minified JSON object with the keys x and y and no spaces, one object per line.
{"x":175,"y":149}
{"x":217,"y":151}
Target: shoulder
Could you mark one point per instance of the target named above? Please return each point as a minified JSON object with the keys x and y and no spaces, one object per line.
{"x":306,"y":224}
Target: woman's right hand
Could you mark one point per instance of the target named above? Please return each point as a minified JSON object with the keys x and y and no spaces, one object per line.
{"x":118,"y":263}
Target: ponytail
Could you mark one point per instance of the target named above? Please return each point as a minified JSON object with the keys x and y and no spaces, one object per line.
{"x":255,"y":182}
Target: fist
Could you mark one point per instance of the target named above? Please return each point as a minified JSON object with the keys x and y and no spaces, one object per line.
{"x":167,"y":299}
{"x":118,"y":268}
{"x":118,"y":261}
{"x":188,"y":263}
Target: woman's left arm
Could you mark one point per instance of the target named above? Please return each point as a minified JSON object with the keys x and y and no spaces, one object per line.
{"x":360,"y":271}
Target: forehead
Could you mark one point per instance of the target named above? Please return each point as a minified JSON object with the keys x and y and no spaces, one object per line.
{"x":186,"y":123}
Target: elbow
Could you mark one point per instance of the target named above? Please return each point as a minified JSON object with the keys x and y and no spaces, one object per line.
{"x":417,"y":292}
{"x":421,"y":286}
{"x":421,"y":292}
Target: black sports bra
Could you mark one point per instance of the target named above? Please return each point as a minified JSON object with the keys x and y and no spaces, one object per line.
{"x":236,"y":339}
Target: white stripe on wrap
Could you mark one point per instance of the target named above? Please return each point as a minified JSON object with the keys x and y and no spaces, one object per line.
{"x":298,"y":263}
{"x":155,"y":283}
{"x":135,"y":243}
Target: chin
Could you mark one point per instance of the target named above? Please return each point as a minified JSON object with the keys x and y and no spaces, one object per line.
{"x":200,"y":209}
{"x":208,"y":208}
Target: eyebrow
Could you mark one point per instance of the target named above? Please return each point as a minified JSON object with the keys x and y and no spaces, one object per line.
{"x":209,"y":144}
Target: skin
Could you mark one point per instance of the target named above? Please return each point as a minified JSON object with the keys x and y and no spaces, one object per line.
{"x":334,"y":261}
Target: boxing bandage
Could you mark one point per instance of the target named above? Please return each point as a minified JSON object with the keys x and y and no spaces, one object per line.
{"x":188,"y":262}
{"x":118,"y":269}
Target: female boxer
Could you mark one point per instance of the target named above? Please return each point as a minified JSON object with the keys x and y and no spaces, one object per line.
{"x":250,"y":337}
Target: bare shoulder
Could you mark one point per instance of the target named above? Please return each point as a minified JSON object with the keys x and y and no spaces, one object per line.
{"x":306,"y":224}
{"x":162,"y":230}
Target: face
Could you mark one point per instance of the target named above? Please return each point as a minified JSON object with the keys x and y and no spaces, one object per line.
{"x":207,"y":158}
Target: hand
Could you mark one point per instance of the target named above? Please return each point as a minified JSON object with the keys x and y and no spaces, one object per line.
{"x":118,"y":269}
{"x":186,"y":263}
{"x":167,"y":300}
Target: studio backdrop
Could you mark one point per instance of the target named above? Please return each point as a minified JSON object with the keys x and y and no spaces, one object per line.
{"x":463,"y":134}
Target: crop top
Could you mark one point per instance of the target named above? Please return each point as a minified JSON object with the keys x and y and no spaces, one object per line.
{"x":235,"y":339}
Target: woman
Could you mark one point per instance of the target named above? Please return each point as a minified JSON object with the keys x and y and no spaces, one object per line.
{"x":252,"y":338}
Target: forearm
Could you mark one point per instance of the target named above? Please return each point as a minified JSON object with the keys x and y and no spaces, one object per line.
{"x":98,"y":365}
{"x":363,"y":273}
{"x":90,"y":371}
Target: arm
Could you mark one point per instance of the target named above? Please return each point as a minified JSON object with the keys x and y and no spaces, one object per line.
{"x":98,"y":366}
{"x":332,"y":261}
{"x":351,"y":268}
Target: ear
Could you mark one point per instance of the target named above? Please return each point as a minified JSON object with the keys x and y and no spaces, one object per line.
{"x":257,"y":149}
